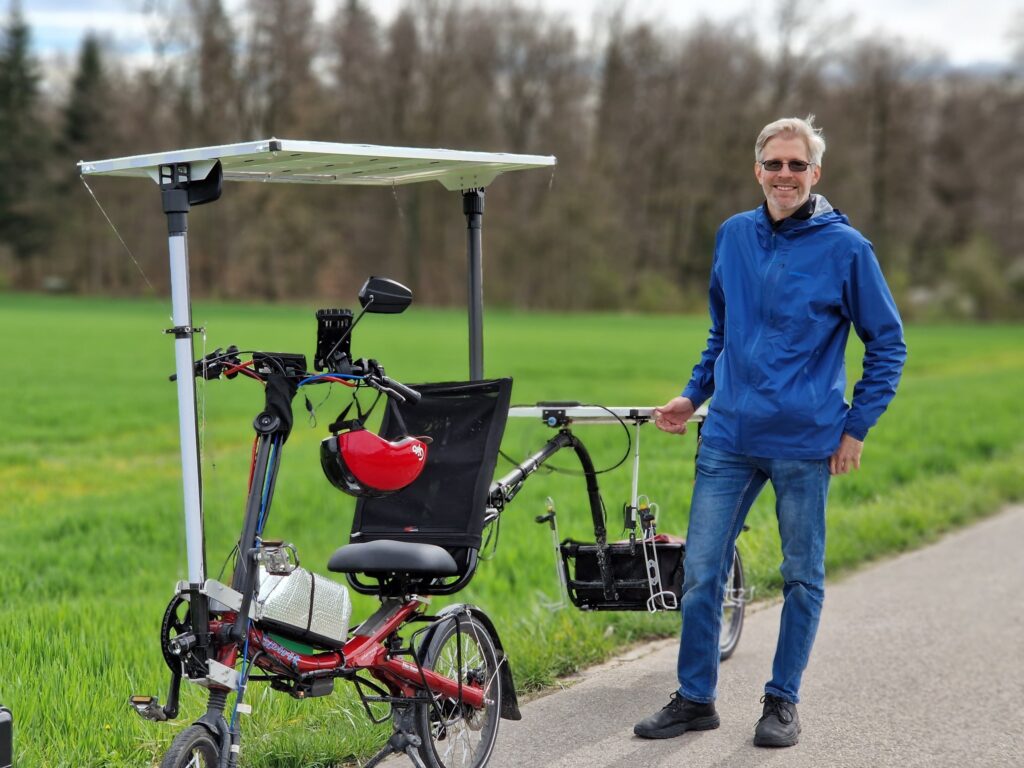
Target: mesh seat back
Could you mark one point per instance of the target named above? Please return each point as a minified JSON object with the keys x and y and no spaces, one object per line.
{"x":446,"y":504}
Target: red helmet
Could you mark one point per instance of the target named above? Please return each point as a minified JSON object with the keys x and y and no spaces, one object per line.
{"x":361,"y":463}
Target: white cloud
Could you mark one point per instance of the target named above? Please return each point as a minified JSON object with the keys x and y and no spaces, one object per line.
{"x":967,"y":31}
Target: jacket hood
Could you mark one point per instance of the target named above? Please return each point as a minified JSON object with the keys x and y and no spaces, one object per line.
{"x":823,"y":214}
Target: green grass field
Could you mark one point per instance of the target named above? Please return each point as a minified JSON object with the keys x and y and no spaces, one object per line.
{"x":92,"y":527}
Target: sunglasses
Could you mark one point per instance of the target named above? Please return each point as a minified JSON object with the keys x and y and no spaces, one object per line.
{"x":795,"y":166}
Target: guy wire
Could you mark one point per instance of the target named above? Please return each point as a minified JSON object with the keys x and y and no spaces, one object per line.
{"x":202,"y":421}
{"x":398,"y":205}
{"x":129,"y":250}
{"x":403,"y":225}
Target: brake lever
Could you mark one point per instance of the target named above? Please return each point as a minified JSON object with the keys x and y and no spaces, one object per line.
{"x":230,"y":359}
{"x":214,"y":364}
{"x":380,"y":386}
{"x":407,"y":393}
{"x":396,"y":388}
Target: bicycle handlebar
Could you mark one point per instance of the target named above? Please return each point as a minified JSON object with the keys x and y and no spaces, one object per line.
{"x":229,"y":364}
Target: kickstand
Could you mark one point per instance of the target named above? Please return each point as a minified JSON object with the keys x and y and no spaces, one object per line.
{"x":399,"y":742}
{"x":551,"y":518}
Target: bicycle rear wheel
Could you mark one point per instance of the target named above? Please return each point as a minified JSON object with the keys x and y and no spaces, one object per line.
{"x":456,"y":735}
{"x":733,"y":608}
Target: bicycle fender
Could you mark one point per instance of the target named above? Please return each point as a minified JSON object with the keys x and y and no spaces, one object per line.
{"x":509,"y":701}
{"x":218,"y":728}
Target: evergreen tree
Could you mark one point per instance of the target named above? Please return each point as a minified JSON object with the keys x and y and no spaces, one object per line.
{"x":86,"y":135}
{"x":85,"y":120}
{"x":24,"y":147}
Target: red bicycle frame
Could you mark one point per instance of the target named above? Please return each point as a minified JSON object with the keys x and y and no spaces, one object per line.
{"x":362,"y":652}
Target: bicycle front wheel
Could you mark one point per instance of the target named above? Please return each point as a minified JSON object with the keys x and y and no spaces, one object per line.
{"x":733,"y":607}
{"x":194,"y":747}
{"x":455,"y":735}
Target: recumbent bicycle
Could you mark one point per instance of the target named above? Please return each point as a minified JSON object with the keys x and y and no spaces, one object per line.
{"x":425,"y":495}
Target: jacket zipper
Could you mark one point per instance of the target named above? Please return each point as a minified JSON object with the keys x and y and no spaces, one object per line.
{"x":756,"y":342}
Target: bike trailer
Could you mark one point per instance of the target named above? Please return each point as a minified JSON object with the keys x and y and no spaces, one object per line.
{"x":642,"y":575}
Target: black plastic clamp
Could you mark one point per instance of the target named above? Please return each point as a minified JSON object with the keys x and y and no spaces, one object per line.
{"x":184,"y":331}
{"x":555,"y":417}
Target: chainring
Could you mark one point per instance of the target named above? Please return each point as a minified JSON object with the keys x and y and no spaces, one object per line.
{"x":177,"y":621}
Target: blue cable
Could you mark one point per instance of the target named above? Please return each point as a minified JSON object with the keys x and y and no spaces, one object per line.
{"x":244,"y":677}
{"x":246,"y":664}
{"x":274,"y":450}
{"x":320,"y":376}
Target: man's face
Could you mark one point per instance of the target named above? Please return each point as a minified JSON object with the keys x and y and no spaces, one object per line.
{"x":786,"y":190}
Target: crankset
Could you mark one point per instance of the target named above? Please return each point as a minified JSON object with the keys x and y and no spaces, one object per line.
{"x":177,"y":638}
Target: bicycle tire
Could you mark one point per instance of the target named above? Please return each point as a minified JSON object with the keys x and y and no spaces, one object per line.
{"x":195,"y":747}
{"x":734,"y":605}
{"x":460,"y":737}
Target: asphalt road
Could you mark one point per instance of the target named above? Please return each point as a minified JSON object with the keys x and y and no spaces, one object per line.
{"x":919,"y":662}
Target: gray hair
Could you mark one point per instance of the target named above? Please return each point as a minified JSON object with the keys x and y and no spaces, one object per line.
{"x":793,"y":126}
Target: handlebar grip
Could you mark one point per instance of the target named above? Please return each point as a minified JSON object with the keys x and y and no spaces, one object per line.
{"x":407,"y":392}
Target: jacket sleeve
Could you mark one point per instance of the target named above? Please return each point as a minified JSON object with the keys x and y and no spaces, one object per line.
{"x":702,"y":380}
{"x":876,"y":320}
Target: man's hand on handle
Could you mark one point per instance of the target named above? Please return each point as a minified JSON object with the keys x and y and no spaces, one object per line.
{"x":847,"y":456}
{"x":673,"y":415}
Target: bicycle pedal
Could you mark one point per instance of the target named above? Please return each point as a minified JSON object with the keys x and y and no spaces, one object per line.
{"x":148,"y":708}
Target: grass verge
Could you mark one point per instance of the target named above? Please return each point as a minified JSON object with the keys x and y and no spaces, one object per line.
{"x":91,"y":509}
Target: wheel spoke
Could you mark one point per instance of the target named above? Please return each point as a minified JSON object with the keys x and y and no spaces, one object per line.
{"x":460,"y":736}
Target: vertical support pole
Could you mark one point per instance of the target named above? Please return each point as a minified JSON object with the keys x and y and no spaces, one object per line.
{"x":174,"y":180}
{"x":635,"y":497}
{"x":473,"y":208}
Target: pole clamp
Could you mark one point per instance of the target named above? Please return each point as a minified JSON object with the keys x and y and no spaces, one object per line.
{"x":555,"y":417}
{"x":184,"y":331}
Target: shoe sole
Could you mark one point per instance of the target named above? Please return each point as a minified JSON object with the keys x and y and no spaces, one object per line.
{"x":700,"y":724}
{"x":761,"y":741}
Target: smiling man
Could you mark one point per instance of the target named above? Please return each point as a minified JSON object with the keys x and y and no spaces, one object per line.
{"x":788,"y":281}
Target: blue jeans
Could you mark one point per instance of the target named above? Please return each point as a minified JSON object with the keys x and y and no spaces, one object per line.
{"x":726,"y":487}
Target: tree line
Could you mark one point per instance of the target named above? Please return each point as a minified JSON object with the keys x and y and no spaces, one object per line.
{"x":653,"y":129}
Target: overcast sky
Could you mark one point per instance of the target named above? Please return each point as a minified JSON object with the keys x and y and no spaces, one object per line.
{"x":966,"y":31}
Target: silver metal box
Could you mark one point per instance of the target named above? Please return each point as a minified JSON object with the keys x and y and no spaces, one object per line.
{"x":304,"y":606}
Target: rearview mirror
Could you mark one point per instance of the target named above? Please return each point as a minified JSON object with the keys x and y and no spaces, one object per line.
{"x":384,"y":296}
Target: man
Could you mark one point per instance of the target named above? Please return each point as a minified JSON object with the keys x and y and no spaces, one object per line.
{"x":788,"y":280}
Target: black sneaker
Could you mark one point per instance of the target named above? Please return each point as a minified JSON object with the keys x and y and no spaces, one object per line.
{"x":677,"y":717}
{"x":779,"y":725}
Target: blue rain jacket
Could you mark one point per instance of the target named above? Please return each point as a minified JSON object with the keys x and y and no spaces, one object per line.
{"x":782,"y":302}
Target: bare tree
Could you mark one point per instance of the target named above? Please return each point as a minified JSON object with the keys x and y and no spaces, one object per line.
{"x":653,"y":131}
